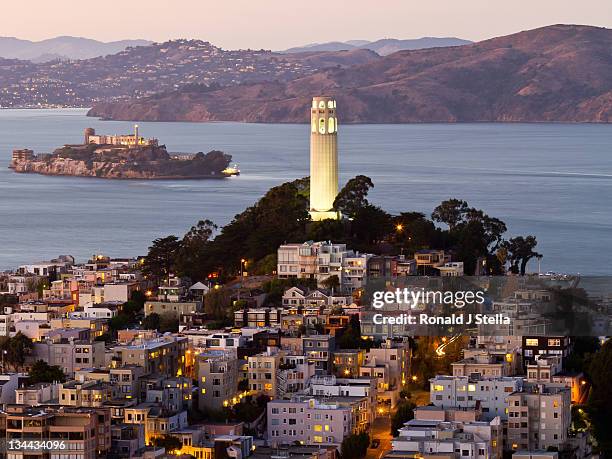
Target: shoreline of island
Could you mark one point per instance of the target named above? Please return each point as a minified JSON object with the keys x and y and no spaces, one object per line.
{"x":123,"y":157}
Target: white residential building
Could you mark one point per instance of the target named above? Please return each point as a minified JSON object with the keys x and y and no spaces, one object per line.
{"x":469,"y":440}
{"x":320,"y":260}
{"x":462,"y":392}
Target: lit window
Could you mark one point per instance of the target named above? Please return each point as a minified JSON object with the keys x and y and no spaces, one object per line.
{"x":471,"y":387}
{"x":330,"y":125}
{"x":330,"y":104}
{"x":438,"y":388}
{"x":318,"y":428}
{"x":314,"y":124}
{"x":322,"y":104}
{"x":531,"y":341}
{"x":322,"y":126}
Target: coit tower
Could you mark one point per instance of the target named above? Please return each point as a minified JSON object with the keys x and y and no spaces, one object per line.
{"x":323,"y":158}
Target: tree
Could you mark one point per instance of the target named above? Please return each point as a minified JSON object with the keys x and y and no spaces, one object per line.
{"x":332,"y":282}
{"x":600,"y":398}
{"x":370,"y":225}
{"x":403,"y":414}
{"x":520,"y":251}
{"x":16,"y":349}
{"x":353,"y":196}
{"x":151,"y":322}
{"x":192,"y":255}
{"x":41,"y":372}
{"x":161,"y":259}
{"x":168,"y":323}
{"x":168,"y":442}
{"x":355,"y":445}
{"x":450,"y":212}
{"x":119,"y":322}
{"x":350,"y":337}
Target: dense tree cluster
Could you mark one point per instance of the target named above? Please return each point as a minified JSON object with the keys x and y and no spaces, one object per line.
{"x":600,"y":398}
{"x":42,"y":372}
{"x":355,"y":446}
{"x":281,"y":215}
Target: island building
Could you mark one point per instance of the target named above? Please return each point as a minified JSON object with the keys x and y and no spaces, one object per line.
{"x":323,"y":158}
{"x":127,"y":140}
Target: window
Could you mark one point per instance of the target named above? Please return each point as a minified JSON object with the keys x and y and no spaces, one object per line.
{"x":531,"y":342}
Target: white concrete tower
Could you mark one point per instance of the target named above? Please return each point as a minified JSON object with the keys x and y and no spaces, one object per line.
{"x":323,"y":158}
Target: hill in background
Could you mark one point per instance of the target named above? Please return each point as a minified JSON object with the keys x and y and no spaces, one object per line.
{"x":382,"y":47}
{"x":64,"y":48}
{"x":554,"y":73}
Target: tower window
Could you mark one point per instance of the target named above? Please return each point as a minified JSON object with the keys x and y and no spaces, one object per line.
{"x":331,"y":125}
{"x":330,"y":104}
{"x":322,"y":104}
{"x":322,"y":125}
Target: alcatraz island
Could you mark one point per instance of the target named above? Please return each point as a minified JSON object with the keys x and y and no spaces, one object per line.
{"x":127,"y":156}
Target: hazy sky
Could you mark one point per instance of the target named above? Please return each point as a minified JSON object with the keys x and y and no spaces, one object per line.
{"x":279,"y":24}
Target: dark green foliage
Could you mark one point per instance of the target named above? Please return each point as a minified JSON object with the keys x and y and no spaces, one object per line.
{"x":16,"y":349}
{"x":276,"y":287}
{"x":370,"y":226}
{"x":42,"y":372}
{"x":151,"y":322}
{"x":192,"y":254}
{"x":600,"y":399}
{"x":355,"y":445}
{"x":403,"y":414}
{"x":168,"y":323}
{"x":168,"y":442}
{"x":162,"y":258}
{"x":119,"y":322}
{"x":353,"y":196}
{"x":332,"y":282}
{"x":218,"y":304}
{"x":520,"y":251}
{"x":350,"y":337}
{"x":473,"y":234}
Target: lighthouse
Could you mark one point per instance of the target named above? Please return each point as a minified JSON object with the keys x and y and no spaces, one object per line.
{"x":323,"y":158}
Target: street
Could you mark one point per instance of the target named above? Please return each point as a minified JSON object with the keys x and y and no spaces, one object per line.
{"x":381,"y":430}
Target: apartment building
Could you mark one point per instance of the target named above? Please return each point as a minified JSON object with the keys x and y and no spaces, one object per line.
{"x":390,"y":364}
{"x":539,"y":417}
{"x":264,"y":373}
{"x":490,"y":394}
{"x":449,"y":440}
{"x":70,"y":355}
{"x":547,"y":369}
{"x":85,"y":431}
{"x":258,"y":317}
{"x":295,"y":374}
{"x":483,"y":364}
{"x":164,"y":355}
{"x":320,"y":260}
{"x":307,"y":421}
{"x":217,"y":372}
{"x":534,"y":346}
{"x":347,"y":362}
{"x":319,"y":350}
{"x":88,"y":393}
{"x":171,"y":308}
{"x":359,"y":388}
{"x":302,"y":298}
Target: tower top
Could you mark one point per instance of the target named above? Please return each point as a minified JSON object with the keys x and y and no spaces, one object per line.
{"x":322,"y":102}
